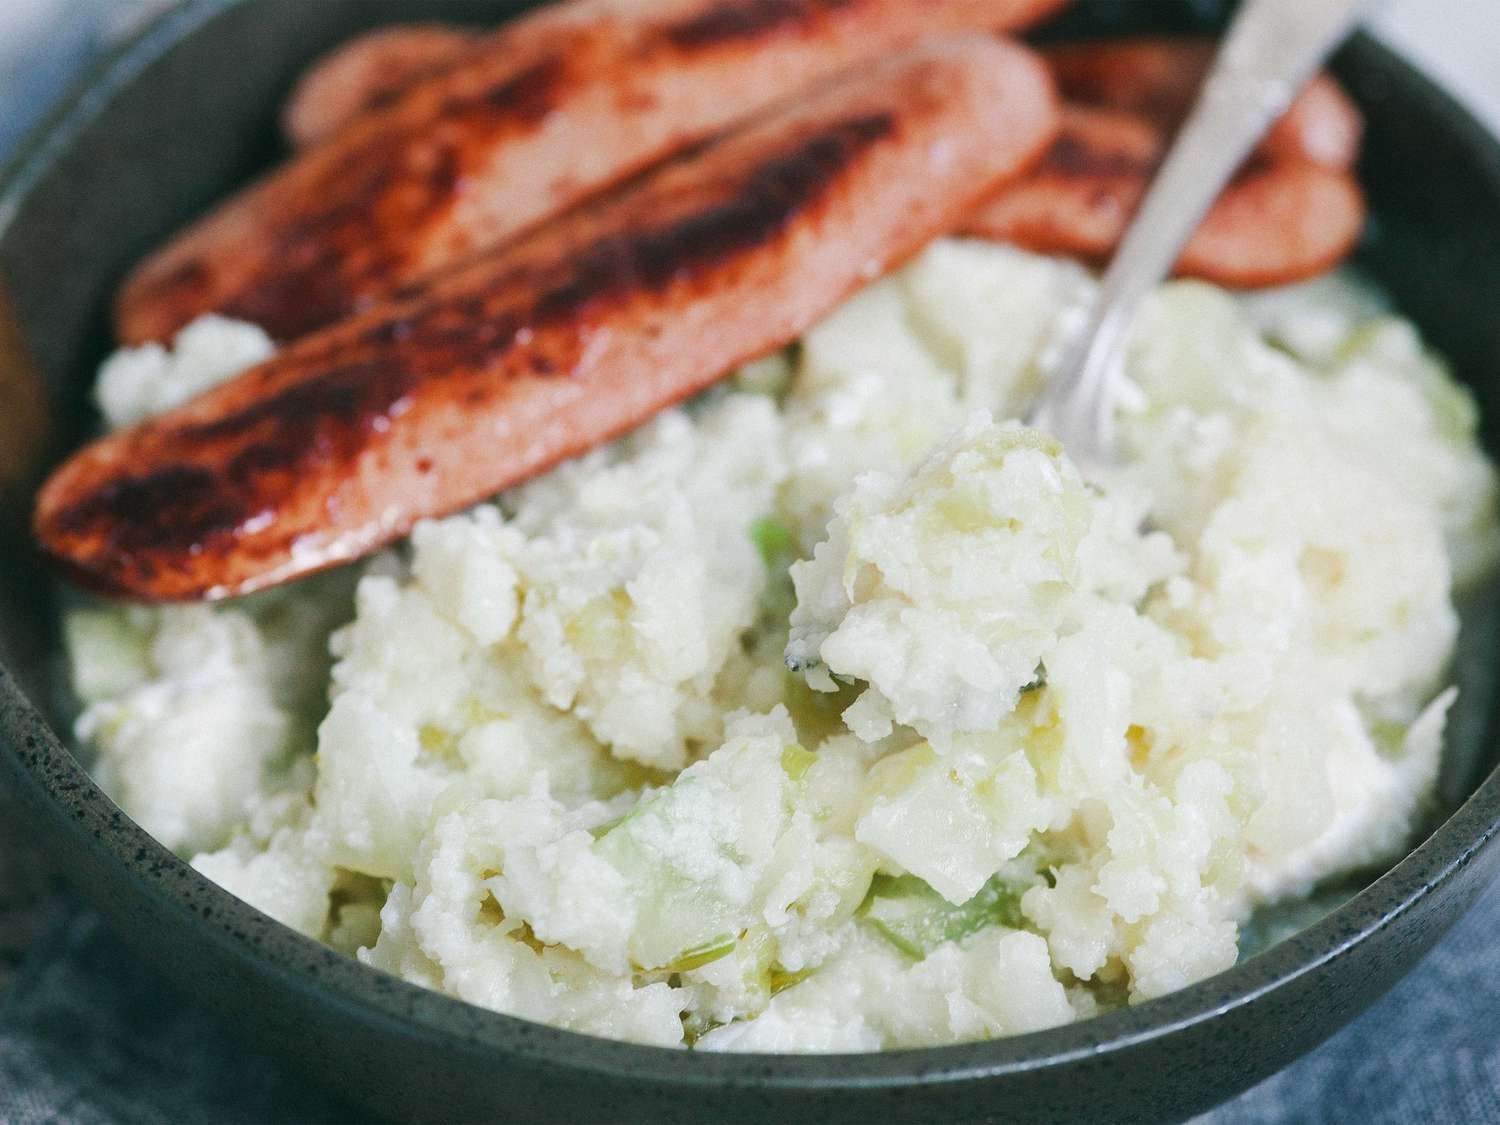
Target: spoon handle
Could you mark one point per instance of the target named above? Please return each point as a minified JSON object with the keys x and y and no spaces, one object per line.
{"x":1270,"y":51}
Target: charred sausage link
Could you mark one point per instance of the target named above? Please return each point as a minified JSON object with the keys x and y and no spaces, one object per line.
{"x":369,"y":71}
{"x":1159,"y":78}
{"x":549,"y":110}
{"x":1279,"y":221}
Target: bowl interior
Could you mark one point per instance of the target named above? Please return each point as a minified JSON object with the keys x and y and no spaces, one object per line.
{"x":151,"y":144}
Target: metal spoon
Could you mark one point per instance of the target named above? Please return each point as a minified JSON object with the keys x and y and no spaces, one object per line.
{"x":1270,"y":51}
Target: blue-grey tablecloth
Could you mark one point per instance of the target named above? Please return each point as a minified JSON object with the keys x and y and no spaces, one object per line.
{"x":88,"y":1036}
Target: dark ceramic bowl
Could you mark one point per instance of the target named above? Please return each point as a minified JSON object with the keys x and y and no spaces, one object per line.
{"x":186,"y":112}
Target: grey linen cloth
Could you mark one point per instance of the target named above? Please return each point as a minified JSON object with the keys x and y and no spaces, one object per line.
{"x":91,"y":1036}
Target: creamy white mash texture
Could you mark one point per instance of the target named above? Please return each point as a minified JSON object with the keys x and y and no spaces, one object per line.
{"x":830,"y":712}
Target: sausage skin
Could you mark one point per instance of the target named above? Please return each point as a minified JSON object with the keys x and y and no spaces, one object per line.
{"x":547,"y":111}
{"x":560,"y":340}
{"x":1279,"y":221}
{"x":368,"y":73}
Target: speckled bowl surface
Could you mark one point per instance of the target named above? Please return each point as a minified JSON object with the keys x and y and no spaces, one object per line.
{"x":187,"y":111}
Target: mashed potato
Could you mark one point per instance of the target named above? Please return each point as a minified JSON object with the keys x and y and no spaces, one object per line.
{"x":835,"y":710}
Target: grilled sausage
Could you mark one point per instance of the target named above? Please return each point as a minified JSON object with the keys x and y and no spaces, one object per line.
{"x":368,"y":73}
{"x":1279,"y":221}
{"x":553,"y":343}
{"x":547,"y":111}
{"x":1159,"y":78}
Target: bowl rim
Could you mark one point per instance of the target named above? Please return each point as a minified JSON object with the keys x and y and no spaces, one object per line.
{"x":371,"y":996}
